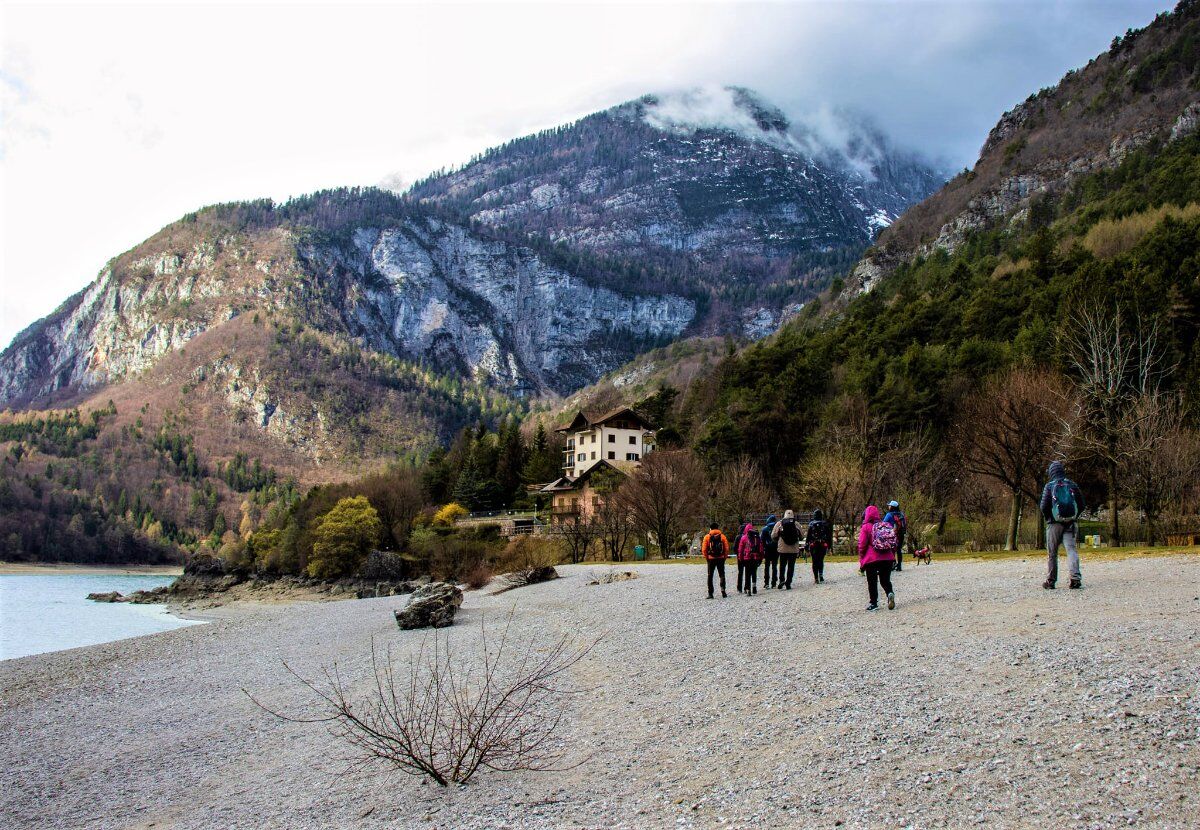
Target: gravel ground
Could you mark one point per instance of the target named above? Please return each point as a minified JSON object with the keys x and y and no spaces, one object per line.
{"x":982,"y":700}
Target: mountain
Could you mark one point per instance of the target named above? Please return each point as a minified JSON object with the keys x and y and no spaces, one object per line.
{"x":1139,"y":94}
{"x":535,"y":268}
{"x":1085,"y":197}
{"x":712,"y":191}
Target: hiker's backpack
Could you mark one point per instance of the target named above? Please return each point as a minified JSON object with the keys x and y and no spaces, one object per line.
{"x":756,"y":544}
{"x":1063,"y":507}
{"x":883,"y":538}
{"x":716,"y":546}
{"x":789,"y":534}
{"x":901,"y":519}
{"x":817,"y":533}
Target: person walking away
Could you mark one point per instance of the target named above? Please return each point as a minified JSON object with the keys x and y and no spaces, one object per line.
{"x":876,"y":553}
{"x":715,"y":548}
{"x":895,"y":516}
{"x":788,"y":537}
{"x":1062,"y":502}
{"x":749,"y":554}
{"x":770,"y":554}
{"x":818,"y":539}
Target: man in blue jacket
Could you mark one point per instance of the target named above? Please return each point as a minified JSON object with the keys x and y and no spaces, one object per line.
{"x":770,"y":554}
{"x":1062,"y":502}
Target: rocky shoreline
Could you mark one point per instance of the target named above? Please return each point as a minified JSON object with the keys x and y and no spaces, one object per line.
{"x":207,"y":582}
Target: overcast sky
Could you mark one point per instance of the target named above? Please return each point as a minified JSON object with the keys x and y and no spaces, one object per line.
{"x":117,"y":119}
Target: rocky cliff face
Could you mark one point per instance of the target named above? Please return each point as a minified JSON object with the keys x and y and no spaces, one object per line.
{"x":1141,"y":91}
{"x":490,"y":310}
{"x":424,"y":290}
{"x":540,"y":266}
{"x":714,"y":185}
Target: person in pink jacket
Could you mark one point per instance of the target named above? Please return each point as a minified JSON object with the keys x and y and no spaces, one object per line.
{"x":749,"y":554}
{"x":877,"y":544}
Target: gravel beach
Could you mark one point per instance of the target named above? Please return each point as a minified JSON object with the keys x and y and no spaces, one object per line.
{"x":981,"y":701}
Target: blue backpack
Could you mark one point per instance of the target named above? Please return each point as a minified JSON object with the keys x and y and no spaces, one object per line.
{"x":1063,"y":507}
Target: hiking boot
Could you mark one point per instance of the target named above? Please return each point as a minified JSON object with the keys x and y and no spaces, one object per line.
{"x":1048,"y":585}
{"x":1076,"y":583}
{"x":891,"y":602}
{"x":872,"y":607}
{"x":710,"y":596}
{"x":723,"y":594}
{"x":756,"y":589}
{"x":788,"y":587}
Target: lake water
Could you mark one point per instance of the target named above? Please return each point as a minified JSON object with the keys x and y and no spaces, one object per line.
{"x":50,"y":612}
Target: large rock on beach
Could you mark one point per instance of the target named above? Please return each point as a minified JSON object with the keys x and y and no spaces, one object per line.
{"x":107,"y":596}
{"x":431,"y":606}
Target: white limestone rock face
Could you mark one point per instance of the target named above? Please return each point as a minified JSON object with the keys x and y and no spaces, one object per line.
{"x":496,"y":312}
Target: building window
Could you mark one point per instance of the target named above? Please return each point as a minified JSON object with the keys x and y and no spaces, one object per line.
{"x":632,"y":439}
{"x":582,"y":457}
{"x":631,"y":456}
{"x":612,"y":455}
{"x":593,"y":455}
{"x":612,"y":439}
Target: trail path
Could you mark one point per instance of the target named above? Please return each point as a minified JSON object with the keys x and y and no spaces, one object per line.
{"x":981,"y":701}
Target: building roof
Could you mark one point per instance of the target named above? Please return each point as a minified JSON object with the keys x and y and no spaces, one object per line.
{"x":565,"y":485}
{"x":582,"y":420}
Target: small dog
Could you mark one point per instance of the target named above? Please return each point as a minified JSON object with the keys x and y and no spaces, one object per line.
{"x":923,"y":555}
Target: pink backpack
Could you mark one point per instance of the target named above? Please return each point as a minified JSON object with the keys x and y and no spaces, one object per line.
{"x":883,"y":538}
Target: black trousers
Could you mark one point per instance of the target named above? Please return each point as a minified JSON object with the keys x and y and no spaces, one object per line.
{"x":717,"y":565}
{"x":787,"y":568}
{"x":771,"y":570}
{"x":879,"y":573}
{"x":818,"y":563}
{"x":747,"y":575}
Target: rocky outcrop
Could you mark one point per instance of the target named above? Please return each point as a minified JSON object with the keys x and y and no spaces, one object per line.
{"x":432,"y":606}
{"x":494,"y":311}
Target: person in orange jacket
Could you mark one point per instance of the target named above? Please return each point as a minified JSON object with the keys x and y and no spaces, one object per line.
{"x":715,"y":548}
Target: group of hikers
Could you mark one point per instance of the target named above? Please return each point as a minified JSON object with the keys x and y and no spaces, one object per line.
{"x":780,"y":541}
{"x":880,"y":544}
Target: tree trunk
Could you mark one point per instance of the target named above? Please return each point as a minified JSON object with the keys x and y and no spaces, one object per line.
{"x":1014,"y":521}
{"x":1114,"y":515}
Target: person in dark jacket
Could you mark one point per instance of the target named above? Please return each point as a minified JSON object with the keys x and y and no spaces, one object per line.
{"x":896,"y":518}
{"x":818,"y":539}
{"x":1062,"y":502}
{"x":770,"y":554}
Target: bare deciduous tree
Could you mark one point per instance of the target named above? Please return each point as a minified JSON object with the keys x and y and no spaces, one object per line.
{"x":1007,"y":432}
{"x":448,"y":718}
{"x":826,"y":480}
{"x":1116,"y":366}
{"x":1161,"y":456}
{"x":577,"y":531}
{"x":741,"y":491}
{"x":665,"y":496}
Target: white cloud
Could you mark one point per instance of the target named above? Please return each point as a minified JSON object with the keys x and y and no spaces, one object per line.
{"x":117,"y":119}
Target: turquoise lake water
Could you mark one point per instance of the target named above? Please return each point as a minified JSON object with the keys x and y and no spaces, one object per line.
{"x":49,"y":612}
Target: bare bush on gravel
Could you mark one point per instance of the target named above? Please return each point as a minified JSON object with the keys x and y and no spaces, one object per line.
{"x":446,"y":717}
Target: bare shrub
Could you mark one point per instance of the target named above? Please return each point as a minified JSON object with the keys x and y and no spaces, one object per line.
{"x":528,"y":560}
{"x":478,"y":577}
{"x":447,"y":718}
